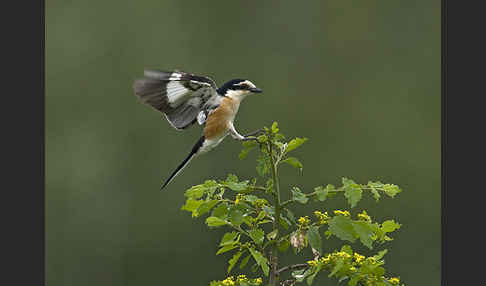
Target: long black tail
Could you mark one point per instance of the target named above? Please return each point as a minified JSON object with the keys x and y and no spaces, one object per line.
{"x":185,"y":162}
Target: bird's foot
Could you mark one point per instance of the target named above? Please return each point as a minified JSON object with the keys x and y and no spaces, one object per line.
{"x":259,"y":131}
{"x":249,"y":138}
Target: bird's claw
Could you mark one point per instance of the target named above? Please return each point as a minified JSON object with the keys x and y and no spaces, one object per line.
{"x":259,"y":131}
{"x":249,"y":138}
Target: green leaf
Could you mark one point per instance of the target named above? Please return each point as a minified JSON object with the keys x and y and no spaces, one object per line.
{"x":247,"y":147}
{"x":365,"y":231}
{"x":191,"y":205}
{"x":291,"y":216}
{"x":220,"y":211}
{"x":284,"y":222}
{"x":342,"y":227}
{"x":263,"y":165}
{"x":257,"y":235}
{"x":227,"y":248}
{"x":354,"y":280}
{"x":391,"y":190}
{"x":390,"y":226}
{"x":322,"y":193}
{"x":337,"y":267}
{"x":298,"y":196}
{"x":232,"y":262}
{"x":231,"y":178}
{"x":245,"y":261}
{"x":294,"y":162}
{"x":275,"y":127}
{"x":294,"y":143}
{"x":375,"y":193}
{"x":235,"y":216}
{"x":311,"y":277}
{"x":314,"y":238}
{"x":261,"y":260}
{"x":272,"y":235}
{"x":205,"y":207}
{"x":380,"y":254}
{"x":283,"y":245}
{"x":238,"y":187}
{"x":353,"y":193}
{"x":346,"y":248}
{"x":346,"y":182}
{"x":262,"y":138}
{"x":251,"y":198}
{"x":215,"y":221}
{"x":228,"y":238}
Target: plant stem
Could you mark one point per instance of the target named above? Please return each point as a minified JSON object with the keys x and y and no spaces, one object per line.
{"x":274,"y":254}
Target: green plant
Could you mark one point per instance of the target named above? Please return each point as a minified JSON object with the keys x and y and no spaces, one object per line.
{"x":261,"y":225}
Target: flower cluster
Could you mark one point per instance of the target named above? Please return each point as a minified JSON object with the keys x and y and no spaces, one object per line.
{"x":303,"y":221}
{"x":230,"y":281}
{"x":239,"y":197}
{"x":351,"y":264}
{"x":364,"y":216}
{"x":239,"y":280}
{"x":343,"y":213}
{"x":322,"y":218}
{"x":260,"y":203}
{"x":394,"y":280}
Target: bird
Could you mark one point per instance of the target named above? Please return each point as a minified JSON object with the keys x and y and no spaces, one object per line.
{"x":186,"y":98}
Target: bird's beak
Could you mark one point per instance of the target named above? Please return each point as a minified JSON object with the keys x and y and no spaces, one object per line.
{"x":256,"y":90}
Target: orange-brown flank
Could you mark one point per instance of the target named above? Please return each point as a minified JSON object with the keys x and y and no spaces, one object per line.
{"x":217,"y":122}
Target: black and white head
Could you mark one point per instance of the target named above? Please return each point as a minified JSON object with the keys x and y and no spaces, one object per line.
{"x":238,"y":88}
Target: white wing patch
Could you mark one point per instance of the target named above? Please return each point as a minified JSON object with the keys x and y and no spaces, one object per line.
{"x":184,"y":98}
{"x":201,"y":117}
{"x":176,"y":93}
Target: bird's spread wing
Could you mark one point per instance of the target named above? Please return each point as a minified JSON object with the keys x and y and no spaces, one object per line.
{"x":184,"y":98}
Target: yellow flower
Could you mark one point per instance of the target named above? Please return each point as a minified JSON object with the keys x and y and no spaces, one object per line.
{"x":242,"y":277}
{"x":394,"y":280}
{"x":343,"y":254}
{"x":343,"y":213}
{"x":239,"y":197}
{"x":258,"y":280}
{"x":326,"y":259}
{"x":364,"y":216}
{"x":312,"y":262}
{"x":303,"y":220}
{"x":358,"y":258}
{"x":228,"y":281}
{"x":352,"y":268}
{"x":322,"y":217}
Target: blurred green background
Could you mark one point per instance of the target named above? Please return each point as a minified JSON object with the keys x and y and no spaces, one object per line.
{"x":360,"y":79}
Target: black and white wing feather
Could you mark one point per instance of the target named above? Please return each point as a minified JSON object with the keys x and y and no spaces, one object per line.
{"x":184,"y":98}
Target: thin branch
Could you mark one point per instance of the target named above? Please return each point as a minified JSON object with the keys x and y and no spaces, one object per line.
{"x":292,"y":267}
{"x":288,"y":282}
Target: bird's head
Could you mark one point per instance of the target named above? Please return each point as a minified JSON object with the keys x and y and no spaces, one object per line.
{"x":238,"y":88}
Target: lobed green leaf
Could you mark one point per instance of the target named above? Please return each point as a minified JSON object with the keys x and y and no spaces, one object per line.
{"x":298,"y":196}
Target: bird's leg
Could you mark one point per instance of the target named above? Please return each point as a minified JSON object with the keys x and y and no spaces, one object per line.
{"x":240,"y":137}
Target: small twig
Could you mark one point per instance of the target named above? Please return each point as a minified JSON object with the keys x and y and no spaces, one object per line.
{"x":288,"y":282}
{"x":291,"y":267}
